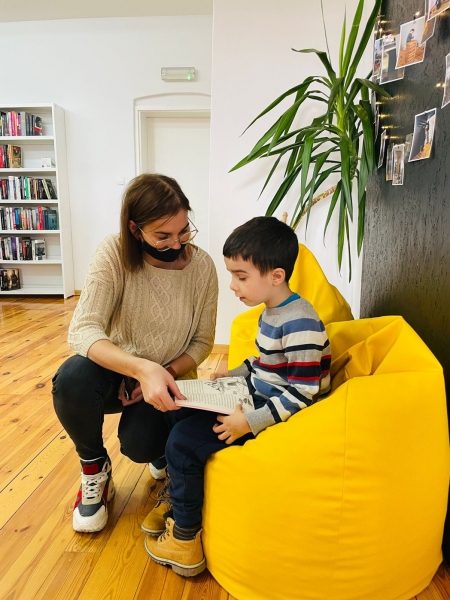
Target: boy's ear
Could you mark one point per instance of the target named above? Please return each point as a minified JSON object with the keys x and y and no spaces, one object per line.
{"x":278,"y":276}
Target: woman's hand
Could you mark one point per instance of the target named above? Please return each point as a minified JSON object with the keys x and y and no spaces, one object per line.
{"x":232,"y":427}
{"x":136,"y":394}
{"x":154,"y":381}
{"x":215,"y":376}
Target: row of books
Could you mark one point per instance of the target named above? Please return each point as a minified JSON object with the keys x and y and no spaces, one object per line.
{"x":26,"y":188}
{"x":21,"y":248}
{"x":20,"y":123}
{"x":26,"y":219}
{"x":9,"y":280}
{"x":10,"y":157}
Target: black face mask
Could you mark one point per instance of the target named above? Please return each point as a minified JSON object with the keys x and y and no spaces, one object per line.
{"x":169,"y":255}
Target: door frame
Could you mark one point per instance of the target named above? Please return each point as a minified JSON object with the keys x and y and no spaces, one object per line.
{"x":143,"y":113}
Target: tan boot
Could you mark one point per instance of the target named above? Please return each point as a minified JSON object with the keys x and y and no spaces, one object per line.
{"x":155,"y":523}
{"x":185,"y":557}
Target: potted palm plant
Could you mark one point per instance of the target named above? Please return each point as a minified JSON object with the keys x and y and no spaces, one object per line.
{"x":340,"y":141}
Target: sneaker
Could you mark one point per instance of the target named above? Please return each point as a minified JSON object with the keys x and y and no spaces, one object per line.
{"x":185,"y":557}
{"x":155,"y":521}
{"x":155,"y":472}
{"x":90,"y":512}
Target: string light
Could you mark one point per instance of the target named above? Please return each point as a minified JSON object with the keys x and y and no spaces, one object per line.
{"x":417,"y":14}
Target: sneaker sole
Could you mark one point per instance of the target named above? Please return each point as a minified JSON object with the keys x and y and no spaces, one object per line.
{"x":98,"y":521}
{"x":177,"y":567}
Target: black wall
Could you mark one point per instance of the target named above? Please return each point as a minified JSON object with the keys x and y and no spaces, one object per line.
{"x":406,"y":262}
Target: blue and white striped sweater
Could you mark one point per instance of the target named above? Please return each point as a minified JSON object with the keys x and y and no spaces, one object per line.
{"x":294,"y":363}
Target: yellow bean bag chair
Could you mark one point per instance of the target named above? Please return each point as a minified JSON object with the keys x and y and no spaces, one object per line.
{"x":347,"y":499}
{"x":309,"y":281}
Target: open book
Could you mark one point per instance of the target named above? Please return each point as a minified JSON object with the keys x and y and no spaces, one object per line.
{"x":220,"y":396}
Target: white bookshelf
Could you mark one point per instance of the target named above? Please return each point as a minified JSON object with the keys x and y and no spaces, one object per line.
{"x":54,"y":275}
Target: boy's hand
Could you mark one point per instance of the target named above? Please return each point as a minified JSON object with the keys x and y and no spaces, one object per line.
{"x":232,"y":427}
{"x":215,"y":376}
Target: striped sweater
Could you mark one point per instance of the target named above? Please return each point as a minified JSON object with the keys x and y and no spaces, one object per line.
{"x":294,"y":363}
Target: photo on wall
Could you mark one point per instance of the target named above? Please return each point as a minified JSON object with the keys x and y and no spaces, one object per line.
{"x":388,"y":71}
{"x":435,"y":7}
{"x":424,"y":127}
{"x":399,"y":164}
{"x":408,"y":144}
{"x":377,"y":50}
{"x":382,"y":146}
{"x":389,"y":163}
{"x":428,"y":30}
{"x":411,"y":50}
{"x":446,"y":98}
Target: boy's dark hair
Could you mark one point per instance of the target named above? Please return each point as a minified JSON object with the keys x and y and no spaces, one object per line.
{"x":267,"y":242}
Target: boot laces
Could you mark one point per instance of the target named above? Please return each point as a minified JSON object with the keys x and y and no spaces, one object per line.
{"x":92,"y":484}
{"x":165,"y":535}
{"x":163,"y":493}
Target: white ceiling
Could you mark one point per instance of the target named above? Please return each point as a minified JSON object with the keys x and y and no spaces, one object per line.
{"x":44,"y":10}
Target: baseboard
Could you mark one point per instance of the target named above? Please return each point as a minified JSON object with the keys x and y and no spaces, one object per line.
{"x":221,"y":349}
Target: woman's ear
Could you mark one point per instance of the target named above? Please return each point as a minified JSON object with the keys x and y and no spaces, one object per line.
{"x":278,"y":276}
{"x":134,"y":229}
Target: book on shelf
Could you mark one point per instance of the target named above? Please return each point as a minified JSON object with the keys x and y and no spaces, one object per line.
{"x":26,"y":188}
{"x":10,"y":157}
{"x":22,"y":248}
{"x":9,"y":280}
{"x":19,"y":124}
{"x":220,"y":396}
{"x":28,"y":219}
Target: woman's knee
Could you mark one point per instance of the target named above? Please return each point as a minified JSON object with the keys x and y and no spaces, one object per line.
{"x":73,"y":381}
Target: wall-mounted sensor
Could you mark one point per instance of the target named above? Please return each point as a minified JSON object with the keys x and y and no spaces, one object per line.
{"x":178,"y":73}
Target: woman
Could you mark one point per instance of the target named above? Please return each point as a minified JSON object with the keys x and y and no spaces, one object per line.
{"x":145,"y":317}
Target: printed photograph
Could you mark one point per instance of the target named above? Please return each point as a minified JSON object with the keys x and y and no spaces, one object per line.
{"x":411,"y":50}
{"x":435,"y":7}
{"x":389,"y":163}
{"x":377,"y":50}
{"x":446,"y":98}
{"x":428,"y":30}
{"x":388,"y":71}
{"x":382,"y":147}
{"x":424,"y":127}
{"x":399,"y":164}
{"x":408,"y":144}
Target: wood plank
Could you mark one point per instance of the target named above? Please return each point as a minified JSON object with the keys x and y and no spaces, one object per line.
{"x":27,"y":523}
{"x":152,"y":583}
{"x":67,"y":578}
{"x":439,"y":588}
{"x":201,"y":587}
{"x":120,"y":567}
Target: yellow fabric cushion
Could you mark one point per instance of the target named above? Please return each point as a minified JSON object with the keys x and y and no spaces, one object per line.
{"x":347,"y":499}
{"x":309,"y":281}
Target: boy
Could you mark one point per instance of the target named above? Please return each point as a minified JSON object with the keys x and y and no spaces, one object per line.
{"x":292,"y":368}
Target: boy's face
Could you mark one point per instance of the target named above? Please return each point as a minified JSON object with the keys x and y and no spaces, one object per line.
{"x":248,"y":283}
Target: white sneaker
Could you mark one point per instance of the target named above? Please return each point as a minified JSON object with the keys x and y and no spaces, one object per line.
{"x":90,"y":512}
{"x":157,"y":473}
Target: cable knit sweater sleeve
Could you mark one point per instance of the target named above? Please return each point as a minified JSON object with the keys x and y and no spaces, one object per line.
{"x":202,"y":342}
{"x":101,"y":292}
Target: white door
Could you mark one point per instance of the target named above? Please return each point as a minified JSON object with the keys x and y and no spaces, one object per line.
{"x":179,"y":147}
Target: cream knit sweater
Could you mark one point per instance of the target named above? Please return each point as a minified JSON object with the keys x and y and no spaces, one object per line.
{"x":152,"y":313}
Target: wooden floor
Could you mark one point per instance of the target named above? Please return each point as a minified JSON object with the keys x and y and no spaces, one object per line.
{"x":40,"y":555}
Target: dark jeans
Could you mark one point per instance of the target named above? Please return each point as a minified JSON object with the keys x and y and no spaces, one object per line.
{"x":83,"y":392}
{"x":191,"y":442}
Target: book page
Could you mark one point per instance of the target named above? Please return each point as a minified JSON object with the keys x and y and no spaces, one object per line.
{"x":221,"y":395}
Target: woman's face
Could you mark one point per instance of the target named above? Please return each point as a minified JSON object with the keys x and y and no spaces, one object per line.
{"x":165,"y":229}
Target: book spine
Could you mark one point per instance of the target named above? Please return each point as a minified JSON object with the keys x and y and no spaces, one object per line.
{"x":41,"y":220}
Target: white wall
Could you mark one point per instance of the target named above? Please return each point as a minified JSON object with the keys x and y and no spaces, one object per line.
{"x":252,"y":65}
{"x":94,"y":69}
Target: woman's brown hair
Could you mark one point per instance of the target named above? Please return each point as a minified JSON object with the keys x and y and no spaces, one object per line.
{"x":148,"y":197}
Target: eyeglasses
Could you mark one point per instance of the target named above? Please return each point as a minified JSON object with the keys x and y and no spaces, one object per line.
{"x":167,"y":243}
